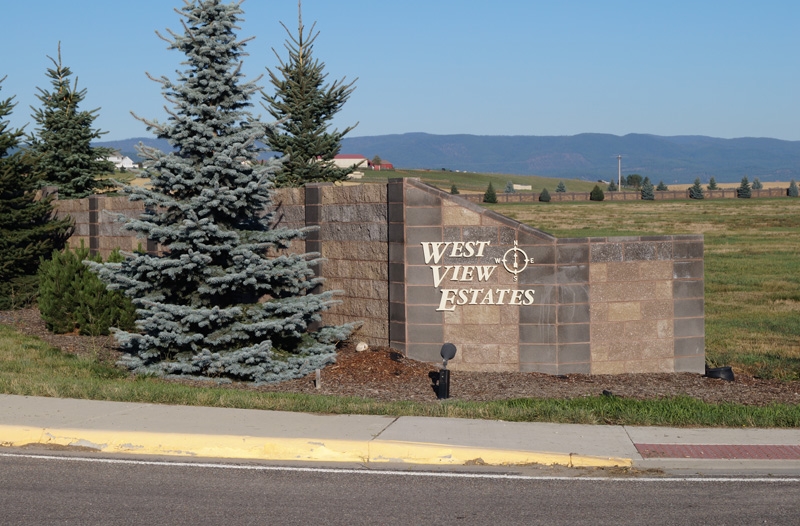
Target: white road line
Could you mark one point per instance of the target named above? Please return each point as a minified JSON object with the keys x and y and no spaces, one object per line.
{"x":209,"y":465}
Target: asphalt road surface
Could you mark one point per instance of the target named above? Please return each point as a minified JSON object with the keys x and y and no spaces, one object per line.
{"x":52,"y":489}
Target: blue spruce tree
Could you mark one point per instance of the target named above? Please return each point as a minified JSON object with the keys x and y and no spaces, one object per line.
{"x":226,"y":299}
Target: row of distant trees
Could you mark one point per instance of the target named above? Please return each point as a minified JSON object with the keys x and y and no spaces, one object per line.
{"x":642,"y":185}
{"x":226,"y":299}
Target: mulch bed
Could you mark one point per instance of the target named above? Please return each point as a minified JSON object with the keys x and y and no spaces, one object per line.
{"x":384,"y":374}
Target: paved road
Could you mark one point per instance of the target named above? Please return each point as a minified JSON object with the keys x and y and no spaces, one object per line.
{"x":88,"y":491}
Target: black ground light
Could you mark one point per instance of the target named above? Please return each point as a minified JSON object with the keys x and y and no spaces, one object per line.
{"x":448,"y":352}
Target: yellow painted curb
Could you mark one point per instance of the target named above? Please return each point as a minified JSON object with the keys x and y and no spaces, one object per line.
{"x":294,"y":449}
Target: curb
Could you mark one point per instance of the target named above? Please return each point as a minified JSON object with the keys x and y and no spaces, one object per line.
{"x":291,"y":449}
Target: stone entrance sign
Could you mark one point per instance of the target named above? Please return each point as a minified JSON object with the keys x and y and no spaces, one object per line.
{"x":420,"y":267}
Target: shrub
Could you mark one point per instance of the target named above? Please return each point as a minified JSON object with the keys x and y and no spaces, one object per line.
{"x":71,"y":297}
{"x":696,"y":191}
{"x":544,"y":197}
{"x":612,"y":187}
{"x":662,"y":187}
{"x":712,"y":184}
{"x":490,"y":196}
{"x":792,"y":191}
{"x":743,"y":192}
{"x":757,"y":184}
{"x":596,"y":194}
{"x":454,"y":190}
{"x":561,"y":187}
{"x":509,"y":188}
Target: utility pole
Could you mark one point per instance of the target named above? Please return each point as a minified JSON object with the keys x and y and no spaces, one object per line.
{"x":619,"y":173}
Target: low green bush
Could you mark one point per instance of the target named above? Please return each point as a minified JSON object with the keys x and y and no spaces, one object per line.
{"x":596,"y":194}
{"x":71,"y":297}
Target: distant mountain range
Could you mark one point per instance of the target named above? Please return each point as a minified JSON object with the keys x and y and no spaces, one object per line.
{"x":588,"y":156}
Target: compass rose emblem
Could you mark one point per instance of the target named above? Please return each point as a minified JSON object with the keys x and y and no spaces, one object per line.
{"x":515,"y":260}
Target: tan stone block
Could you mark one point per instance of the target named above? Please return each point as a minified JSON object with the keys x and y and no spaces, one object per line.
{"x":453,"y":317}
{"x":623,"y":271}
{"x":598,"y":272}
{"x":655,"y":270}
{"x":489,"y":354}
{"x":662,"y":290}
{"x":665,"y":329}
{"x":640,"y":330}
{"x":600,"y":352}
{"x":454,"y":214}
{"x":650,"y":366}
{"x":656,"y":349}
{"x":611,"y":367}
{"x":480,"y":314}
{"x":624,"y":311}
{"x":486,"y":368}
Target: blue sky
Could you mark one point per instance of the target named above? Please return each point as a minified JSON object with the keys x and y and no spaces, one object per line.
{"x":504,"y":67}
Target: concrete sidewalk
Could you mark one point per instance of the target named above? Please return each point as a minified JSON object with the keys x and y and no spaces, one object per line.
{"x":147,"y":429}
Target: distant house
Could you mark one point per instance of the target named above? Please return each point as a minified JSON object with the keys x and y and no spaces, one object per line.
{"x":383,"y":165}
{"x":349,"y":160}
{"x":121,"y":161}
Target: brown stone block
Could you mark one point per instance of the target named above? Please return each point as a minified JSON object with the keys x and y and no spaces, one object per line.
{"x":624,"y":311}
{"x":598,"y":272}
{"x":364,"y":308}
{"x":359,"y":288}
{"x":453,"y":317}
{"x":606,"y":332}
{"x":480,"y":314}
{"x":599,"y":312}
{"x":657,"y":309}
{"x":482,"y":334}
{"x":486,"y":368}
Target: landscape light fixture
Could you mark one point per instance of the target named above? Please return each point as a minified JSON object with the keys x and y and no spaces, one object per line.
{"x":448,"y":352}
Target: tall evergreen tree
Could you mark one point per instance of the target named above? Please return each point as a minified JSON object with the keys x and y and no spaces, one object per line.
{"x":712,"y":184}
{"x":28,"y":230}
{"x":61,"y":148}
{"x":792,"y":191}
{"x":696,"y":191}
{"x":490,"y":196}
{"x":612,"y":186}
{"x":561,"y":187}
{"x":647,"y":190}
{"x":305,"y":105}
{"x":662,"y":187}
{"x":509,"y":188}
{"x":757,"y":184}
{"x":226,"y":299}
{"x":743,"y":192}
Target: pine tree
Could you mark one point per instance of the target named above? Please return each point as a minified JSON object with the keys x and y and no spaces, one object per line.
{"x":509,"y":188}
{"x":226,"y":299}
{"x":305,"y":106}
{"x":61,"y":148}
{"x":712,"y":184}
{"x":792,"y":191}
{"x":561,"y":187}
{"x":596,"y":194}
{"x":454,"y":190}
{"x":544,"y":197}
{"x":612,"y":187}
{"x":757,"y":184}
{"x":696,"y":191}
{"x":647,"y":190}
{"x":743,"y":192}
{"x":28,"y":231}
{"x":490,"y":196}
{"x":662,"y":187}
